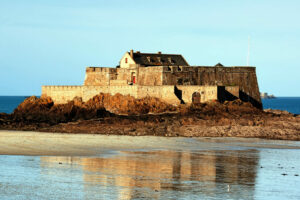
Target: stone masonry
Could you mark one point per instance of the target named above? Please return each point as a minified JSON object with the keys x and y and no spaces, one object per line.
{"x":166,"y":76}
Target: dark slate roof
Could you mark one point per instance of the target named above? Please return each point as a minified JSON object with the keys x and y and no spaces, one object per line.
{"x":219,"y":65}
{"x":158,"y":59}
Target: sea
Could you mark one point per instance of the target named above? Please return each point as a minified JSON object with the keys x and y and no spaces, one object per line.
{"x":149,"y":167}
{"x":290,"y":104}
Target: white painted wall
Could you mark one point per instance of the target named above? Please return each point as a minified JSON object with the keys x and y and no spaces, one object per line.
{"x":130,"y":61}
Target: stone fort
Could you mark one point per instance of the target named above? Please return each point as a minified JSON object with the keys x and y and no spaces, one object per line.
{"x":165,"y":76}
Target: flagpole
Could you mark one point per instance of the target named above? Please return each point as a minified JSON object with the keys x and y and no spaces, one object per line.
{"x":248,"y":56}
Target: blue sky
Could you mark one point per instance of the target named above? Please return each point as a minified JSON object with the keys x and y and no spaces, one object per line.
{"x":51,"y":42}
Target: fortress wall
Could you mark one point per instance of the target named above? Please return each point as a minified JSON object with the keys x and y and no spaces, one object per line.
{"x":99,"y":76}
{"x":207,"y":93}
{"x":124,"y":74}
{"x":234,"y":90}
{"x":179,"y":75}
{"x":118,"y":82}
{"x":62,"y":94}
{"x":91,"y":91}
{"x":150,"y":75}
{"x":167,"y":93}
{"x":244,"y":77}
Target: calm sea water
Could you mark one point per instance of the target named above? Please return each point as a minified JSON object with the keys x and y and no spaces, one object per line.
{"x":9,"y":103}
{"x":228,"y":169}
{"x":291,"y":104}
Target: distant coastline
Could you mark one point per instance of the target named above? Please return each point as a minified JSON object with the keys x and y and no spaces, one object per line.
{"x":265,"y":95}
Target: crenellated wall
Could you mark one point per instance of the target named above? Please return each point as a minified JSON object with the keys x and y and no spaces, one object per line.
{"x":171,"y":83}
{"x":168,"y":93}
{"x":99,"y":76}
{"x":63,"y":94}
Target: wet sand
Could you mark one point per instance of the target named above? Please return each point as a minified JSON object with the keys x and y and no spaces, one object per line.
{"x":37,"y":165}
{"x":59,"y":144}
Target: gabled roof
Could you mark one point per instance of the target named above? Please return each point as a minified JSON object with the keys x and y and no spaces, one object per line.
{"x":159,"y":59}
{"x":219,"y":65}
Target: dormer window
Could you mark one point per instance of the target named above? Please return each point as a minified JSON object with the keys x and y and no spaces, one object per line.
{"x":159,"y":59}
{"x":150,"y":60}
{"x":171,"y":61}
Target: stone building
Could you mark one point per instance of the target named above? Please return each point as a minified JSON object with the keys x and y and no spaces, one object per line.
{"x":166,"y":76}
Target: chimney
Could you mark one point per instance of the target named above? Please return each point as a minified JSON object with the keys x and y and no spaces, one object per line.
{"x":159,"y":52}
{"x":131,"y":53}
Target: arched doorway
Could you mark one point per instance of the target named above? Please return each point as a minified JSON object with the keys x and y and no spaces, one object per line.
{"x":196,"y":98}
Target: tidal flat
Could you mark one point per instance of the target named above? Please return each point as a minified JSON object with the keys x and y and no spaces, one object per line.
{"x":38,"y":165}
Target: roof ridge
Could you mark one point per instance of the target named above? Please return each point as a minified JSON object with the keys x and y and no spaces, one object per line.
{"x":160,"y":54}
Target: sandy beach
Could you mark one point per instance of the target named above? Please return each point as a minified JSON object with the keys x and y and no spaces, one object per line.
{"x":59,"y":144}
{"x":37,"y":165}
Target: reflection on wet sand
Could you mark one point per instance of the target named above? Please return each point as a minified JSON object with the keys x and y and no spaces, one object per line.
{"x":130,"y":175}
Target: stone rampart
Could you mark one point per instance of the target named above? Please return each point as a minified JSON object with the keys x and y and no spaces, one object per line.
{"x":207,"y":93}
{"x":179,"y":94}
{"x":243,"y":77}
{"x":168,"y":93}
{"x":150,"y":76}
{"x":124,"y":74}
{"x":171,"y":83}
{"x":63,"y":94}
{"x":165,"y":93}
{"x":99,"y":76}
{"x":90,"y":91}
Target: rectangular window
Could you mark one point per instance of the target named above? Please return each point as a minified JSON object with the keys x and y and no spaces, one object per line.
{"x":126,"y":60}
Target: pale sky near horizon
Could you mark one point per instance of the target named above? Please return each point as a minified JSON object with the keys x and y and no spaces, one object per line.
{"x":51,"y":42}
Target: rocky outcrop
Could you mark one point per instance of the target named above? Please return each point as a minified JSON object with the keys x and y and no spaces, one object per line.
{"x":43,"y":110}
{"x":125,"y":115}
{"x":128,"y":105}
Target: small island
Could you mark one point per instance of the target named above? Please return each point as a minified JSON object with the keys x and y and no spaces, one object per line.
{"x":156,"y":94}
{"x":265,"y":95}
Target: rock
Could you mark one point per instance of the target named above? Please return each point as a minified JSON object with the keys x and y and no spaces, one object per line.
{"x":125,"y":115}
{"x":277,"y":112}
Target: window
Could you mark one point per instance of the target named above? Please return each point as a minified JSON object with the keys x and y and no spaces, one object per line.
{"x":126,"y":60}
{"x":171,"y":60}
